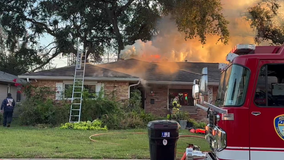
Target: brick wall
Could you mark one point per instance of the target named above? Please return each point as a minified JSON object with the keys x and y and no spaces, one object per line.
{"x":120,"y":89}
{"x":160,"y":98}
{"x":47,"y":83}
{"x":117,"y":89}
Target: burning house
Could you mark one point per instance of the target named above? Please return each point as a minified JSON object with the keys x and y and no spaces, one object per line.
{"x":158,"y":82}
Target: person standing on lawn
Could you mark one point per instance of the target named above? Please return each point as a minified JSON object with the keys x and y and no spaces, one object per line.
{"x":8,"y":105}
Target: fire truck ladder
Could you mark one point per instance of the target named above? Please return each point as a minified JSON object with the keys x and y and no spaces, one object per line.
{"x":78,"y":88}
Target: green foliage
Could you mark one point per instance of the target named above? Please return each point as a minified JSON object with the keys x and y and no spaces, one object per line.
{"x":85,"y":125}
{"x":55,"y":143}
{"x":134,"y":103}
{"x":128,"y":120}
{"x":197,"y":124}
{"x":180,"y":115}
{"x":39,"y":109}
{"x":266,"y":19}
{"x":97,"y":24}
{"x":95,"y":106}
{"x":100,"y":25}
{"x":93,"y":109}
{"x":198,"y":18}
{"x":129,"y":115}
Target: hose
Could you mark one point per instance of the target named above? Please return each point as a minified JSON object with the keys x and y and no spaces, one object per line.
{"x":100,"y":134}
{"x":181,"y":136}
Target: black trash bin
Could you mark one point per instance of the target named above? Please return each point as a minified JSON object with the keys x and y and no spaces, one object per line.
{"x":163,"y":136}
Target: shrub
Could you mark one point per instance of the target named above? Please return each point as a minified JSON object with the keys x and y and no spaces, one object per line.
{"x":197,"y":124}
{"x":96,"y":108}
{"x":128,"y":115}
{"x":134,"y":103}
{"x":132,"y":120}
{"x":128,"y":120}
{"x":112,"y":121}
{"x":85,"y":125}
{"x":179,"y":115}
{"x":39,"y":109}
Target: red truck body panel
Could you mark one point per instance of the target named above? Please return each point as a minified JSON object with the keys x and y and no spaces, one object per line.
{"x":248,"y":135}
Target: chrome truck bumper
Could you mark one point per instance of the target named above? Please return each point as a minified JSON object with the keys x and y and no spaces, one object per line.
{"x":198,"y":155}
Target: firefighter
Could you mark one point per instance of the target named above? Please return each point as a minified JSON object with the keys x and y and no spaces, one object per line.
{"x":7,"y":107}
{"x":175,"y":103}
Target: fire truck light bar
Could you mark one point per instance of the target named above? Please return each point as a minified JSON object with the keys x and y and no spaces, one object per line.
{"x":242,"y":47}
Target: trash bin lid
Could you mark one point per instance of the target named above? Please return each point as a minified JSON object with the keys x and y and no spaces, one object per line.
{"x":163,"y":124}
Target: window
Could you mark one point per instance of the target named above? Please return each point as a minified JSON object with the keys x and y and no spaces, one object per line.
{"x":233,"y":86}
{"x":184,"y":95}
{"x":18,"y":96}
{"x":91,"y":89}
{"x":270,"y":86}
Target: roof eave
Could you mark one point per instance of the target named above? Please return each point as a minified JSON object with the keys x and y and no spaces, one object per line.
{"x":179,"y":83}
{"x":71,"y":78}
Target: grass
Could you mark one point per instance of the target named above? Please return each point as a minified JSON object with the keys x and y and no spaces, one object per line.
{"x":31,"y":142}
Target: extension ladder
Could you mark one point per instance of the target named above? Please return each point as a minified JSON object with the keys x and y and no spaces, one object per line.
{"x":78,"y":88}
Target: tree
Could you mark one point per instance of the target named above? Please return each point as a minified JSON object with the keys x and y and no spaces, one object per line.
{"x":14,"y":62}
{"x":73,"y":21}
{"x":96,"y":24}
{"x":198,"y":18}
{"x":264,"y":18}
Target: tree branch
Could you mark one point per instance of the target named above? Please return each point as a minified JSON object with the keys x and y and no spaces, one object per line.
{"x":46,"y":54}
{"x":48,"y":45}
{"x":123,"y":8}
{"x":41,"y":24}
{"x":46,"y":62}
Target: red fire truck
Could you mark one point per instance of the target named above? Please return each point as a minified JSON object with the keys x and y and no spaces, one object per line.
{"x":246,"y":122}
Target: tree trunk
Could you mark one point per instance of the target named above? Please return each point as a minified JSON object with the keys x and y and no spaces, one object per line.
{"x":113,"y":20}
{"x":117,"y":35}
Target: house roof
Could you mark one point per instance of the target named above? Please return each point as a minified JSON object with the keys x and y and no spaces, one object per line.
{"x":165,"y":71}
{"x":9,"y":78}
{"x":92,"y":72}
{"x":133,"y":69}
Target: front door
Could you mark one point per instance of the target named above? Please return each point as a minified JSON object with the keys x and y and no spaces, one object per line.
{"x":267,"y":112}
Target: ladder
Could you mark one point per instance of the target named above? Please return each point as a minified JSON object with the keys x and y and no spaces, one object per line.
{"x":78,"y":88}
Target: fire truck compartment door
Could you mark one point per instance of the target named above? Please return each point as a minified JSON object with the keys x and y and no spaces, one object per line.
{"x":267,"y":112}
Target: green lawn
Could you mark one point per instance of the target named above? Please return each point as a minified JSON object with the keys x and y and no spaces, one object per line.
{"x":30,"y":142}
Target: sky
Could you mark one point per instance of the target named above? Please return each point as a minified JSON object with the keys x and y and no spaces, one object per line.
{"x":59,"y":61}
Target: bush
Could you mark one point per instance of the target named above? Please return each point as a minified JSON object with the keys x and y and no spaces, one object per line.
{"x":112,"y":121}
{"x":39,"y":109}
{"x":197,"y":124}
{"x":129,"y":115}
{"x":94,"y":109}
{"x":86,"y":125}
{"x":179,"y":115}
{"x":127,"y":120}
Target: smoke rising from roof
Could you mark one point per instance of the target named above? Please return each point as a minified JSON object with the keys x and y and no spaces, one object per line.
{"x":170,"y":44}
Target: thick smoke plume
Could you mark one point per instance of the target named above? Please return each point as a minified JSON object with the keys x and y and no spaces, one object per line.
{"x":170,"y":44}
